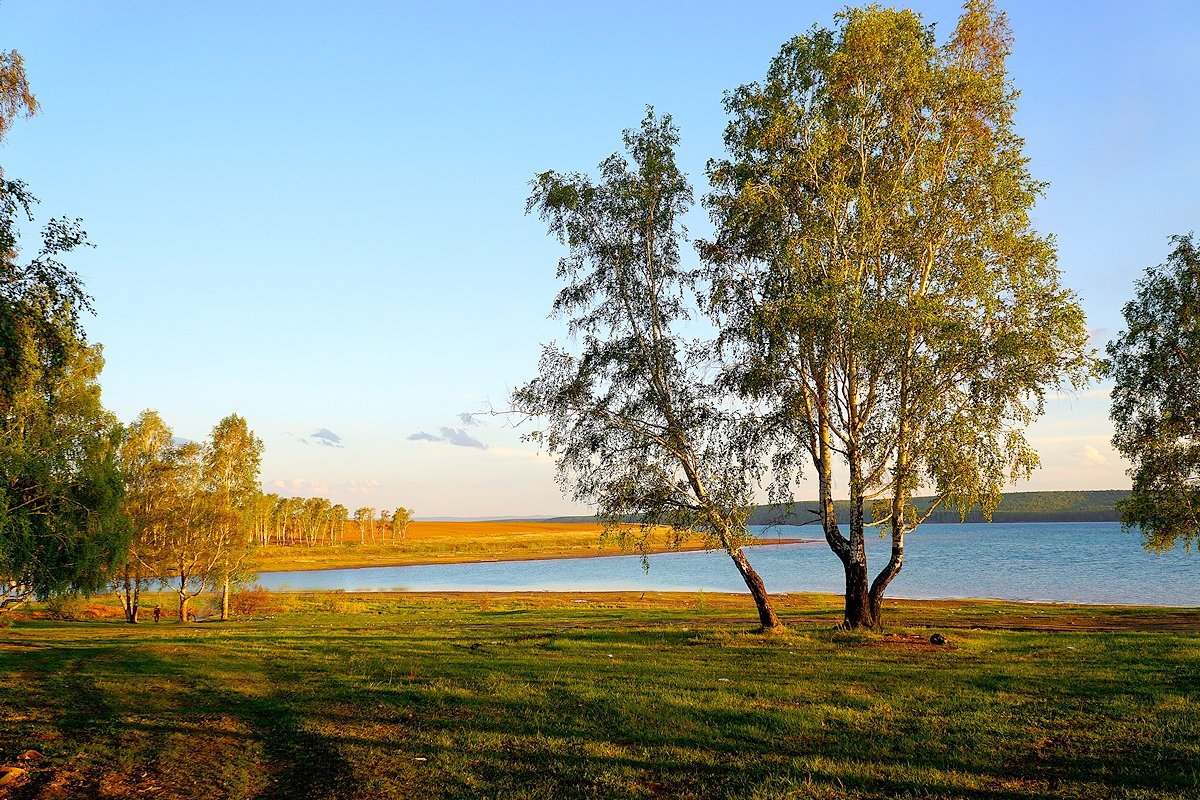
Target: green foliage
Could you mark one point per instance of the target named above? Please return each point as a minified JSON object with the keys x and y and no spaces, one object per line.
{"x":1080,"y":506}
{"x":629,"y":419}
{"x":876,"y":275}
{"x":1156,"y":408}
{"x":632,"y":420}
{"x":61,"y":524}
{"x":40,"y":300}
{"x":61,"y":529}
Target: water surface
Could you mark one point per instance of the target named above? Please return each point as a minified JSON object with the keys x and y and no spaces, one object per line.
{"x":1070,"y":562}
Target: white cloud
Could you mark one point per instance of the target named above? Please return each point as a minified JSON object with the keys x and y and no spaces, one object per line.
{"x":1091,"y":456}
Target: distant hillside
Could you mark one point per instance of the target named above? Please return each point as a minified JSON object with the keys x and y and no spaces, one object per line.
{"x":1097,"y":506}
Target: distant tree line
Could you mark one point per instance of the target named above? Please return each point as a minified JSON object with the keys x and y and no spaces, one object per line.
{"x":1079,"y":506}
{"x":313,"y":521}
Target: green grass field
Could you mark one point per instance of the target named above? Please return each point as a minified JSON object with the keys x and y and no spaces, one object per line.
{"x":577,"y":696}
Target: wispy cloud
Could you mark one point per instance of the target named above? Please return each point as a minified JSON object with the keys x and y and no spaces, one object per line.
{"x":460,"y":438}
{"x":469,"y":419}
{"x":326,"y":437}
{"x":360,"y":487}
{"x":455,"y":436}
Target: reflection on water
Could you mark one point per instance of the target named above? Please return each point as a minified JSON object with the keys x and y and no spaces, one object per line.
{"x":1074,"y":562}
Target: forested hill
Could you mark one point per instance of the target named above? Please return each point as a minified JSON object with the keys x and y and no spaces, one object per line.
{"x":1097,"y":506}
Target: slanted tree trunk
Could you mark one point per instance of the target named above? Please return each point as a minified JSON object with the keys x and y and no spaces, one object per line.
{"x":758,"y":590}
{"x":895,"y":562}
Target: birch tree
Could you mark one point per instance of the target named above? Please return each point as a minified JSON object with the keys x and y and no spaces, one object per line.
{"x":232,"y":457}
{"x":630,"y":419}
{"x":193,"y":544}
{"x":146,"y":464}
{"x":401,"y":518}
{"x":365,"y":517}
{"x":61,"y":529}
{"x":1155,"y":406}
{"x":877,"y":277}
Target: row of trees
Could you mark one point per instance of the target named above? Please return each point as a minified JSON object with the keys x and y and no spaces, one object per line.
{"x":885,"y":313}
{"x":197,"y":512}
{"x":189,"y":504}
{"x":313,"y":521}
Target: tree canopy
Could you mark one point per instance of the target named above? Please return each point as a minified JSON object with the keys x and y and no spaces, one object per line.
{"x":878,"y":280}
{"x":1155,"y":406}
{"x":632,"y":420}
{"x":60,"y":523}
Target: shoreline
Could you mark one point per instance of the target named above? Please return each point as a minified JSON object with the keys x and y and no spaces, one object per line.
{"x":297,"y":564}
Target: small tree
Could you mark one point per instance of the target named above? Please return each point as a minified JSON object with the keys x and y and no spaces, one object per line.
{"x":401,"y":518}
{"x":365,"y":517}
{"x":145,"y":458}
{"x":337,"y":523}
{"x":1155,"y":405}
{"x":385,"y":519}
{"x":631,"y":421}
{"x":193,"y":541}
{"x":231,"y":462}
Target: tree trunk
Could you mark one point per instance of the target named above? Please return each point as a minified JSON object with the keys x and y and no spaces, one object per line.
{"x":858,"y":611}
{"x":130,"y":595}
{"x":225,"y":600}
{"x":766,"y":614}
{"x":880,"y":584}
{"x":184,"y":601}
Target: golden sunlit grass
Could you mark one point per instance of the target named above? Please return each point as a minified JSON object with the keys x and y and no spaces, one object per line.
{"x":457,"y":542}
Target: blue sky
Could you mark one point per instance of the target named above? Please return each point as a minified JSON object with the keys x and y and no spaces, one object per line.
{"x":311,"y":213}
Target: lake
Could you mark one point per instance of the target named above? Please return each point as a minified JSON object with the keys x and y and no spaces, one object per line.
{"x":1069,"y":562}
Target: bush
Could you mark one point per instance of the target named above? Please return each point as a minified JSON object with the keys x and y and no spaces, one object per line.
{"x":68,"y":606}
{"x":255,"y":600}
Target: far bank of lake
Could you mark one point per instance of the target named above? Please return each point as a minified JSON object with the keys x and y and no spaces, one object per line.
{"x":1071,"y":562}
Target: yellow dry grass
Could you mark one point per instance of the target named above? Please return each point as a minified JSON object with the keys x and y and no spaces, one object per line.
{"x":458,"y":542}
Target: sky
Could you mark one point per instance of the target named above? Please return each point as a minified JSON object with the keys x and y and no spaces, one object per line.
{"x":311,"y":213}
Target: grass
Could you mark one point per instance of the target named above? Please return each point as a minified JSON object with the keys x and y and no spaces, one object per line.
{"x":606,"y":695}
{"x":457,"y":542}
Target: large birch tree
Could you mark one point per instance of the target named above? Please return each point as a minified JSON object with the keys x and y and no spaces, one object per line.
{"x":61,"y":529}
{"x":631,"y":419}
{"x":878,"y":279}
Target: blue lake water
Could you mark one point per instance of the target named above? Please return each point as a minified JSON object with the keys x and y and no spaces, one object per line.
{"x":1070,"y":562}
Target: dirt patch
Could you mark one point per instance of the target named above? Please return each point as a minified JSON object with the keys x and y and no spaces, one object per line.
{"x":911,"y":642}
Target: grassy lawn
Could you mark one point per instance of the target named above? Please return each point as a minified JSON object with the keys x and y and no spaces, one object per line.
{"x":605,"y":695}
